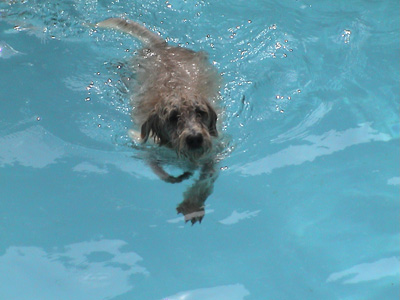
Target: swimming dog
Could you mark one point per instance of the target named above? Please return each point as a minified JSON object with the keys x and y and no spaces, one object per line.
{"x":175,"y":93}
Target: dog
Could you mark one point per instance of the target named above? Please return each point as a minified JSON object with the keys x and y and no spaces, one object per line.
{"x":174,"y":105}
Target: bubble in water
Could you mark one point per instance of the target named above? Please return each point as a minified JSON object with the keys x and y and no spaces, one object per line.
{"x":90,"y":86}
{"x":87,"y":99}
{"x":224,"y":168}
{"x":346,"y":35}
{"x":38,"y":118}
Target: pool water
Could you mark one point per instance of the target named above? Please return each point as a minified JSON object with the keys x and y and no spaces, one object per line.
{"x":306,"y":205}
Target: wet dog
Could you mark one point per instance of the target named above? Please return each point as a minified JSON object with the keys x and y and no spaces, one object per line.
{"x":173,"y":103}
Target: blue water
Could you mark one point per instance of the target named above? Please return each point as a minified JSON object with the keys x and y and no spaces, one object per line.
{"x":306,"y":205}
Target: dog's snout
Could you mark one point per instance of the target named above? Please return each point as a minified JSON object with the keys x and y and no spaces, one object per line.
{"x":194,"y":141}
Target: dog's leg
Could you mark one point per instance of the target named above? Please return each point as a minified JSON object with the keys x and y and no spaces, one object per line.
{"x":160,"y":172}
{"x":192,"y":207}
{"x":155,"y":166}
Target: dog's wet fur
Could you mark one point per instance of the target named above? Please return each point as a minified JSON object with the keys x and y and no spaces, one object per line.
{"x":173,"y":100}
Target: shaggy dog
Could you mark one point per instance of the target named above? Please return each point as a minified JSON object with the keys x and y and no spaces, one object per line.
{"x":173,"y":105}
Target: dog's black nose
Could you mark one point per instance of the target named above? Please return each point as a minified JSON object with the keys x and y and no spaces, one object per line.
{"x":194,"y":141}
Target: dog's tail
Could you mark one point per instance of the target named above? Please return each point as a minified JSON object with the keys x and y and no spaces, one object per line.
{"x":146,"y":36}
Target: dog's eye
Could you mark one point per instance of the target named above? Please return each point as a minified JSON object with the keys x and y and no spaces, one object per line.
{"x":173,"y":117}
{"x":201,"y":113}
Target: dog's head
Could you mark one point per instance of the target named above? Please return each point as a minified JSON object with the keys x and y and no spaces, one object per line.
{"x":185,"y":126}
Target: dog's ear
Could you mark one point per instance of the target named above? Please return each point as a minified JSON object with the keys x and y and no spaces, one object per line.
{"x":212,"y":127}
{"x":145,"y":131}
{"x":150,"y":127}
{"x":153,"y":127}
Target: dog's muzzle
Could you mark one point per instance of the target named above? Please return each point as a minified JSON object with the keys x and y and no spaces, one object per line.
{"x":194,"y":141}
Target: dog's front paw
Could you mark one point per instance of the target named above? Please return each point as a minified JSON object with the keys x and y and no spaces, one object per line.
{"x":192,"y":211}
{"x":178,"y":179}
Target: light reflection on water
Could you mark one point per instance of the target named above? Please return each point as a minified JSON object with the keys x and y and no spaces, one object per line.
{"x":73,"y":270}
